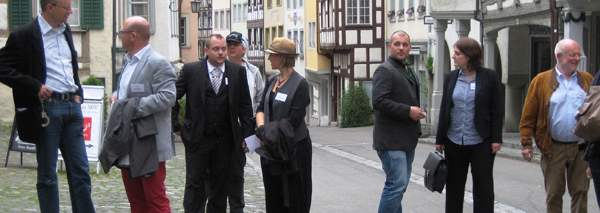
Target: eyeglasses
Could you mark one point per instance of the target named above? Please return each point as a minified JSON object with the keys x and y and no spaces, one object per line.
{"x":64,"y":7}
{"x":574,"y":55}
{"x":121,"y":32}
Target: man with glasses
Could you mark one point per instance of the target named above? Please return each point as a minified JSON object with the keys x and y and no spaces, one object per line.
{"x":147,"y":81}
{"x":552,"y":101}
{"x":39,"y":63}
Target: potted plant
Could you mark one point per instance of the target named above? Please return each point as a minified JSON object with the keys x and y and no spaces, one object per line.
{"x":421,"y":9}
{"x":390,"y":14}
{"x":410,"y":11}
{"x":400,"y":13}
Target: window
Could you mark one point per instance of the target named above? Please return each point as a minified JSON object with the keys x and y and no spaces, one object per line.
{"x":143,"y":8}
{"x":227,"y":17}
{"x":234,"y":18}
{"x":301,"y":45}
{"x":300,"y":3}
{"x":358,"y":12}
{"x":278,"y":2}
{"x":74,"y":17}
{"x":244,"y":12}
{"x":140,"y":8}
{"x":312,"y":35}
{"x":289,"y":4}
{"x":204,"y":20}
{"x":183,"y":30}
{"x":217,"y":19}
{"x":269,"y":3}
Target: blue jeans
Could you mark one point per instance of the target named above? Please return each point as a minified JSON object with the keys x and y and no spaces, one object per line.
{"x":398,"y":167}
{"x":65,"y":132}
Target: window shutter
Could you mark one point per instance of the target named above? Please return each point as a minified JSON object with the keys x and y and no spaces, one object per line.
{"x":19,"y":13}
{"x":92,"y":14}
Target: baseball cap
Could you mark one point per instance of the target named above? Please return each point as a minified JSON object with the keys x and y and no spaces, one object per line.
{"x":236,"y":37}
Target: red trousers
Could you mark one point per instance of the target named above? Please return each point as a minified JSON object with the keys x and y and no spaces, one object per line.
{"x":147,"y":194}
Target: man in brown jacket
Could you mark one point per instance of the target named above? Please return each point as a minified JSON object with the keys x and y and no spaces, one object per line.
{"x":553,"y":98}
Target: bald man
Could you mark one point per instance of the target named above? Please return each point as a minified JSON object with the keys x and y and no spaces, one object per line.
{"x":149,"y":77}
{"x":552,"y":101}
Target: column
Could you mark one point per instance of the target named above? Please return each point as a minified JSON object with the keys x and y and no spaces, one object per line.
{"x":574,"y":30}
{"x":440,"y":59}
{"x":463,"y":27}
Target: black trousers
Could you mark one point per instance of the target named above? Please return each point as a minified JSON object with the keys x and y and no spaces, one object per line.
{"x":481,"y":159}
{"x":299,"y":184}
{"x":235,"y":196}
{"x":207,"y":174}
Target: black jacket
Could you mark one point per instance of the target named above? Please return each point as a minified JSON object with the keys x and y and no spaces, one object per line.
{"x":489,"y":106}
{"x":23,"y":68}
{"x":393,"y":95}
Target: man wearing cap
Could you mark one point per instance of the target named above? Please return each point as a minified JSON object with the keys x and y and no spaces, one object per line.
{"x":236,"y":49}
{"x":217,"y":119}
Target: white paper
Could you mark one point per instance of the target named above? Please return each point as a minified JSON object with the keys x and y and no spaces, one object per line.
{"x":252,"y":142}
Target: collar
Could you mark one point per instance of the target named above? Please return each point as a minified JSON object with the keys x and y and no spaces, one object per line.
{"x":559,"y":74}
{"x":137,"y":55}
{"x":211,"y":67}
{"x":45,"y":26}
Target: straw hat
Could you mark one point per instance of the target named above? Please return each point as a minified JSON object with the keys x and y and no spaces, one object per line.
{"x":282,"y":46}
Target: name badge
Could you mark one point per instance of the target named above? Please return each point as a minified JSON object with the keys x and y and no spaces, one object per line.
{"x":473,"y":86}
{"x":137,"y":87}
{"x":281,"y":97}
{"x":226,"y":81}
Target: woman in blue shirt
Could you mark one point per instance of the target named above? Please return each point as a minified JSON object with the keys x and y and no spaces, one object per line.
{"x":470,"y":127}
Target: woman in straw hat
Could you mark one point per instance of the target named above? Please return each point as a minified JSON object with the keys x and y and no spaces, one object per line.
{"x":286,"y":151}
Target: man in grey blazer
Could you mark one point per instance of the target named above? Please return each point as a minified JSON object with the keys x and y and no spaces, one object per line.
{"x":149,"y":76}
{"x":397,"y":126}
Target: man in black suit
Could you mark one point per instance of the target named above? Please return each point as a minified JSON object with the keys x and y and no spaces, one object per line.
{"x":217,"y":119}
{"x":397,"y":126}
{"x":39,"y":63}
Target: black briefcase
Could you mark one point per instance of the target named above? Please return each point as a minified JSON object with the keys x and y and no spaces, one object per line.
{"x":436,"y":171}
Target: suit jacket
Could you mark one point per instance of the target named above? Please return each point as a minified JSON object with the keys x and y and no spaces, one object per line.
{"x":23,"y":68}
{"x":393,"y":95}
{"x":153,"y":80}
{"x":192,"y":83}
{"x":489,"y":106}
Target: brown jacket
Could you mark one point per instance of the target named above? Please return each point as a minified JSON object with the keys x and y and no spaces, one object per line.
{"x":535,"y":120}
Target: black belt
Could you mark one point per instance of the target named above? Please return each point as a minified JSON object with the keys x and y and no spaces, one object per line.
{"x":63,"y":96}
{"x":564,"y":141}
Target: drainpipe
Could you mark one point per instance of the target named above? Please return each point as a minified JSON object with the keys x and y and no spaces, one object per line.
{"x":114,"y":47}
{"x":554,"y":26}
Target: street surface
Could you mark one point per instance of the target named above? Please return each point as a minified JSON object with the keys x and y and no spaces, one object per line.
{"x":347,"y":177}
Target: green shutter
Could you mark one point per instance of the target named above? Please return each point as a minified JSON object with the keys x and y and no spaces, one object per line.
{"x":92,"y":14}
{"x":19,"y":13}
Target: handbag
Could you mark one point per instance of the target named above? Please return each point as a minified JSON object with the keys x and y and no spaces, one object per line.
{"x":436,"y":170}
{"x":588,"y":116}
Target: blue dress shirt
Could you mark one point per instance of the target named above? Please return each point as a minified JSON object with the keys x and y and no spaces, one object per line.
{"x":564,"y":103}
{"x":462,"y":114}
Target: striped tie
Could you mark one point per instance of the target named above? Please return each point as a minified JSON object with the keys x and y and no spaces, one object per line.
{"x":216,"y":79}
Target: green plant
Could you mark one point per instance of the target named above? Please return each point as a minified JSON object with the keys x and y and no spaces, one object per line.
{"x":92,"y":80}
{"x":429,"y":63}
{"x":356,"y":110}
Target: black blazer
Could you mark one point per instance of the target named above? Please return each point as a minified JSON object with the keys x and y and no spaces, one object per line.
{"x":23,"y":68}
{"x":192,"y":82}
{"x":393,"y":95}
{"x":489,"y":106}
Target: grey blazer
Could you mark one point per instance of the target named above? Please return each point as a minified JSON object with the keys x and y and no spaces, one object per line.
{"x":393,"y":95}
{"x":153,"y":80}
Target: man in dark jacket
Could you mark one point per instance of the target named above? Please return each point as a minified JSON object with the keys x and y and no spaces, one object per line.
{"x":397,"y":126}
{"x":39,"y":63}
